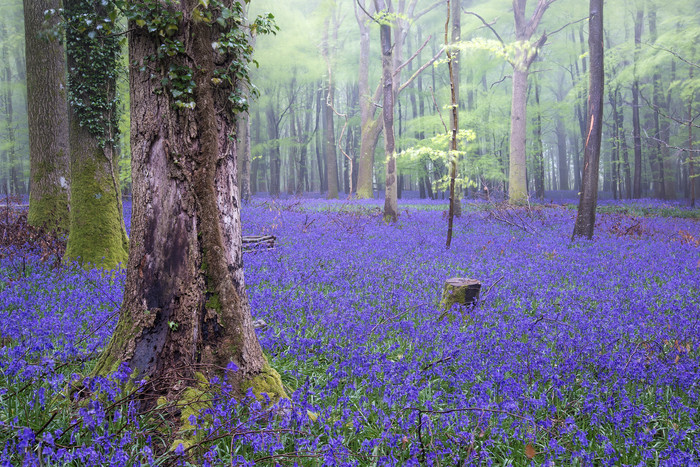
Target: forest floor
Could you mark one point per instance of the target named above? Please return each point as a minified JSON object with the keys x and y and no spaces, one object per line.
{"x":578,"y":353}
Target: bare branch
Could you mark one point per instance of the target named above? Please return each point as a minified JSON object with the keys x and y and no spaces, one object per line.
{"x":362,"y":7}
{"x":567,"y":25}
{"x":420,"y":70}
{"x":432,"y":93}
{"x":487,"y":25}
{"x":404,"y":64}
{"x":675,"y":54}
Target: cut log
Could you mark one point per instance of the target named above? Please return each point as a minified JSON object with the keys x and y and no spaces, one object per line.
{"x":258,"y":242}
{"x":459,"y":291}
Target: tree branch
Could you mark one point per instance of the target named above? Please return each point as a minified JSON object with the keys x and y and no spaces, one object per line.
{"x":420,"y":70}
{"x":487,"y":25}
{"x":404,"y":64}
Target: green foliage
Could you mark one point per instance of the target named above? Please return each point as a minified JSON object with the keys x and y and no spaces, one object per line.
{"x":94,"y":47}
{"x":233,"y":45}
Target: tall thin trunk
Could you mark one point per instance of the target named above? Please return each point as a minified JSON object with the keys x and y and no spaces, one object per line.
{"x":659,"y":176}
{"x":539,"y":151}
{"x":585,"y":219}
{"x":391,"y":209}
{"x":637,"y":133}
{"x":275,"y":158}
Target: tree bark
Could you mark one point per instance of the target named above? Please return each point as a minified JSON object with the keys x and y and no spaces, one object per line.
{"x":539,"y":150}
{"x":275,"y":158}
{"x":97,"y":231}
{"x":637,"y":133}
{"x":185,"y":307}
{"x":391,"y":209}
{"x":525,"y":54}
{"x":659,"y":176}
{"x":585,"y":219}
{"x":47,"y":112}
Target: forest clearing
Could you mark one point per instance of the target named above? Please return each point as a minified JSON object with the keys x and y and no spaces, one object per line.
{"x":577,"y":353}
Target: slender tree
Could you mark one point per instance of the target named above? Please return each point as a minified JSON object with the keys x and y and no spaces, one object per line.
{"x":636,"y":125}
{"x":47,"y":107}
{"x":185,"y":306}
{"x":391,"y":209}
{"x":525,"y":54}
{"x":585,"y":219}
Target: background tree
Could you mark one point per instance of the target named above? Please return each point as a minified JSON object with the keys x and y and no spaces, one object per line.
{"x":47,"y":106}
{"x":585,"y":219}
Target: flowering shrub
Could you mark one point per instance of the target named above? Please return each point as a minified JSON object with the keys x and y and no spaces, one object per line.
{"x":578,"y":353}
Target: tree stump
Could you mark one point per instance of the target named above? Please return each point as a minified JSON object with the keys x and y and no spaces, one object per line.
{"x":459,"y":291}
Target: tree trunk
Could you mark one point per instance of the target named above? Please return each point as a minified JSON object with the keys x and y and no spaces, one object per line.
{"x":391,"y":209}
{"x":8,"y":107}
{"x":47,"y":113}
{"x":659,"y":177}
{"x":525,"y":54}
{"x":539,"y":150}
{"x":562,"y":160}
{"x":97,"y":232}
{"x":585,"y":219}
{"x":275,"y":158}
{"x":518,"y":125}
{"x":455,"y":38}
{"x":319,"y":156}
{"x":637,"y":133}
{"x":243,"y":134}
{"x":185,"y":307}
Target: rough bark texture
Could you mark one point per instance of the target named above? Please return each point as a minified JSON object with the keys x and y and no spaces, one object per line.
{"x":185,"y":307}
{"x":47,"y":112}
{"x":585,"y":220}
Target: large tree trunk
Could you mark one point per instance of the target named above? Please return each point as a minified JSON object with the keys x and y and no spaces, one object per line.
{"x":185,"y":306}
{"x":585,"y":219}
{"x":47,"y":112}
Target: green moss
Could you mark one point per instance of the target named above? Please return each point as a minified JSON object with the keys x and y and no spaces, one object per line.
{"x":50,"y":210}
{"x":97,"y":235}
{"x":268,"y":382}
{"x":192,"y":402}
{"x":214,"y":303}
